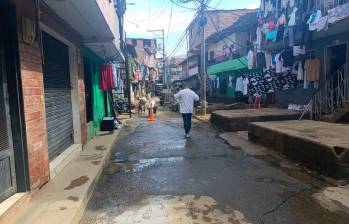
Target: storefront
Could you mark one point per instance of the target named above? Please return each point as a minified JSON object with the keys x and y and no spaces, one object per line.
{"x":97,"y":102}
{"x":223,"y":78}
{"x":58,"y":99}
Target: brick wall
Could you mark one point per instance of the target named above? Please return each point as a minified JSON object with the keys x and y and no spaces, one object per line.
{"x":33,"y":92}
{"x":34,"y":105}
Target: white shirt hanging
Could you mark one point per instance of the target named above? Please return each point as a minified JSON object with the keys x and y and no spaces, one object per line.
{"x":245,"y":83}
{"x":250,"y":59}
{"x":239,"y":86}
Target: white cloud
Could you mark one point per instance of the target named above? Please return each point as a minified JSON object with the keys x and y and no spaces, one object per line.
{"x":253,"y":5}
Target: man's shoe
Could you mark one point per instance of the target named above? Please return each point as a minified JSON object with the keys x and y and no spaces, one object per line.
{"x":187,"y":135}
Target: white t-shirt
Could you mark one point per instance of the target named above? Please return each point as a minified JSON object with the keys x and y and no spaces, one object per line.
{"x":186,"y":98}
{"x":245,"y":83}
{"x":250,"y":59}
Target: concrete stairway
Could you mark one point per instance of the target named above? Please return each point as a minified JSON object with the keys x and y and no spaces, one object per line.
{"x":331,"y":102}
{"x":340,"y":114}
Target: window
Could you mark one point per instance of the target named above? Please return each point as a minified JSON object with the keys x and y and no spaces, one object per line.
{"x":146,"y":43}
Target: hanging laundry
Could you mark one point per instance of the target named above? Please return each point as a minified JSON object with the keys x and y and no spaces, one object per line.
{"x":268,"y":81}
{"x":338,"y":13}
{"x":245,"y":83}
{"x":261,"y":64}
{"x":300,"y":73}
{"x":115,"y":74}
{"x":239,"y":85}
{"x":106,"y":77}
{"x":137,"y":75}
{"x":314,"y":20}
{"x":278,"y":63}
{"x":230,"y":83}
{"x":259,"y":36}
{"x":250,"y":59}
{"x":305,"y":81}
{"x":292,"y":20}
{"x":284,"y":4}
{"x":282,"y":19}
{"x":267,"y":59}
{"x":312,"y":67}
{"x":288,"y":59}
{"x":298,"y":50}
{"x":292,"y":3}
{"x":322,"y":24}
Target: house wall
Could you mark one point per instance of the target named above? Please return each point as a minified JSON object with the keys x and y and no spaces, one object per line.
{"x":221,"y":19}
{"x":30,"y":59}
{"x":97,"y":94}
{"x":108,"y":10}
{"x":301,"y":95}
{"x":33,"y":97}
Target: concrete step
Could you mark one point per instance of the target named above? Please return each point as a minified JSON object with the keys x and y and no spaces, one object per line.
{"x":318,"y":145}
{"x":238,"y":120}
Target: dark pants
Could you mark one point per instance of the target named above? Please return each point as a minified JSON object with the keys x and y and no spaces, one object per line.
{"x":187,"y":122}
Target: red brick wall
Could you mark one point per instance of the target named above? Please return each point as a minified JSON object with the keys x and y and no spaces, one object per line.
{"x":34,"y":105}
{"x":33,"y":93}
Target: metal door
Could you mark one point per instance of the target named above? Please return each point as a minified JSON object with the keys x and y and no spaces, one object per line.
{"x":59,"y":115}
{"x":7,"y":167}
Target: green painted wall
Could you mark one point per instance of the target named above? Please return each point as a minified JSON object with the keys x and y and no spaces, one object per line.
{"x":97,"y":94}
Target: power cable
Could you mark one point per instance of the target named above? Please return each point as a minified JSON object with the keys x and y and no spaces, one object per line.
{"x":174,"y":2}
{"x":169,"y":23}
{"x":149,"y":8}
{"x":223,"y":38}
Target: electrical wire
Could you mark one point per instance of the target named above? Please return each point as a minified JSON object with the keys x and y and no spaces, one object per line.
{"x":169,"y":23}
{"x":223,"y":38}
{"x":176,"y":3}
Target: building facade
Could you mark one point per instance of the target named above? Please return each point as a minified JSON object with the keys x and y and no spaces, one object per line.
{"x":319,"y":27}
{"x":145,"y":72}
{"x":44,"y":105}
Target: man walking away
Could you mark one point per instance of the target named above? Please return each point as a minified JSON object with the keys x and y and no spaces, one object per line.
{"x":186,"y":98}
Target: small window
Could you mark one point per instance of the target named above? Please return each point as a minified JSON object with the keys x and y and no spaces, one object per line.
{"x":147,"y":43}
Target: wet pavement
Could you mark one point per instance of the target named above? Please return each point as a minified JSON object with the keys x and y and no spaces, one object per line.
{"x":156,"y":176}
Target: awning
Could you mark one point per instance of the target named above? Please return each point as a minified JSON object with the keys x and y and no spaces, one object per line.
{"x":231,"y":65}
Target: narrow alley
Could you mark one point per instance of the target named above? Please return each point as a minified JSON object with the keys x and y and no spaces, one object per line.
{"x":157,"y":176}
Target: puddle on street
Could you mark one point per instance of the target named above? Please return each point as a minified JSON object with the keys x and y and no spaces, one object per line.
{"x":180,"y":209}
{"x":128,"y":166}
{"x":77,"y":182}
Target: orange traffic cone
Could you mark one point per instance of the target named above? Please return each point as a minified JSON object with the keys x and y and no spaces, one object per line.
{"x":151,"y":115}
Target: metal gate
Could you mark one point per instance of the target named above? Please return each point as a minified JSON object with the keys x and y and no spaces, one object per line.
{"x":7,"y":167}
{"x":59,"y":115}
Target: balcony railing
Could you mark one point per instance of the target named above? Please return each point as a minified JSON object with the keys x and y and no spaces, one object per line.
{"x":325,"y":5}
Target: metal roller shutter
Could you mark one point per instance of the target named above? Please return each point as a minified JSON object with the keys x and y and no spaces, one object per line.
{"x":7,"y":167}
{"x":59,"y":115}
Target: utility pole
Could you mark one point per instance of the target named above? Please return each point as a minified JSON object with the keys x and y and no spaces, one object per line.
{"x":128,"y":82}
{"x":202,"y":23}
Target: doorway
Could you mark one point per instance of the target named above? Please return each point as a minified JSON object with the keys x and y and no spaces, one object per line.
{"x":337,"y":56}
{"x":88,"y":90}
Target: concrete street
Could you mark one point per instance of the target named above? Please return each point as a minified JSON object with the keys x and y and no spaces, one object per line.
{"x":156,"y":176}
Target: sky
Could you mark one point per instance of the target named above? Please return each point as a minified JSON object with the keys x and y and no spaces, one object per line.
{"x":144,"y":15}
